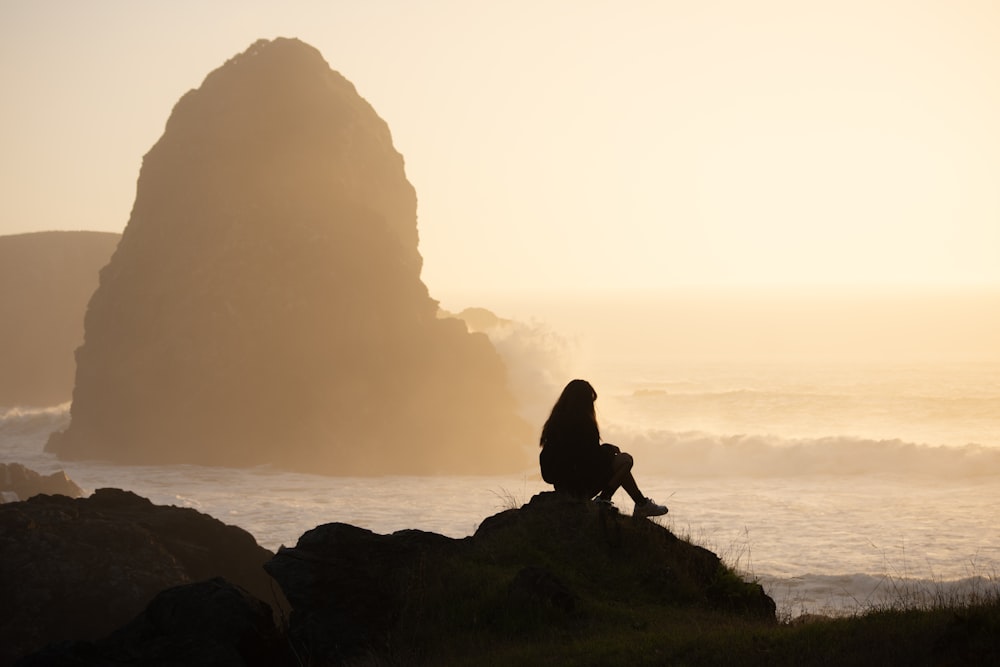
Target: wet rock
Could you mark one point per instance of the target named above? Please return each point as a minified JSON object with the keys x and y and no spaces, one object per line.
{"x":20,"y":483}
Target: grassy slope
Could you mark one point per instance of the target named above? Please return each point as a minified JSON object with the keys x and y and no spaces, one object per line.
{"x":609,"y":634}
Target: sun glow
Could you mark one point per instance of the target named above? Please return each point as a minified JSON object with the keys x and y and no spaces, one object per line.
{"x":575,"y":146}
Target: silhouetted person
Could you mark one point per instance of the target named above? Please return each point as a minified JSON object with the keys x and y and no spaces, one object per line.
{"x":574,"y":461}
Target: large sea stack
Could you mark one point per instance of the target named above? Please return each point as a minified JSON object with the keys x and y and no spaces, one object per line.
{"x":265,"y":302}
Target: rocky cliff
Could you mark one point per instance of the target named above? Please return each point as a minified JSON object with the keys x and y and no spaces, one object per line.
{"x":265,"y":303}
{"x":46,"y":279}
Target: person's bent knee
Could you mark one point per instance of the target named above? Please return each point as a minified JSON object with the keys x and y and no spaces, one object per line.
{"x":623,"y":460}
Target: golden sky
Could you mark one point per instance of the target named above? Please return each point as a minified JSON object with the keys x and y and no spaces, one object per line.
{"x":572,"y":143}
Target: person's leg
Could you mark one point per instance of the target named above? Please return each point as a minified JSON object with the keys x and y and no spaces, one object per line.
{"x":621,"y":476}
{"x":621,"y":467}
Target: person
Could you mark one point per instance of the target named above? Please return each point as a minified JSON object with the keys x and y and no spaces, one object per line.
{"x":574,"y":460}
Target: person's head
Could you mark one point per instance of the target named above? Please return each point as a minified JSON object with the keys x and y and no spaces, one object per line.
{"x":577,"y":397}
{"x":574,"y":405}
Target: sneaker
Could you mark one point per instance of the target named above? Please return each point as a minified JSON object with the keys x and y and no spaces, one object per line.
{"x":649,"y":508}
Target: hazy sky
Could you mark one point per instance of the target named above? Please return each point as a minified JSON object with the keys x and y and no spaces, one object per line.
{"x":557,"y":143}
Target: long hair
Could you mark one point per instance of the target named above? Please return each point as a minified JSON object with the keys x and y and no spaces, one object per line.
{"x":573,"y":417}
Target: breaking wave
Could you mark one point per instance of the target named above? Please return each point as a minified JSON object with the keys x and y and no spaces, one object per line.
{"x":537,"y":360}
{"x":17,"y":421}
{"x":698,"y":454}
{"x":841,"y":594}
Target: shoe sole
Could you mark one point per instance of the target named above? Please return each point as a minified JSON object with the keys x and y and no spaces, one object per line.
{"x":644,"y":515}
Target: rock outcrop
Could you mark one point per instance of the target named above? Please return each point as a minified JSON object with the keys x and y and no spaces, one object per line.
{"x":209,"y":623}
{"x":557,"y":581}
{"x":401,"y":598}
{"x":79,"y":569}
{"x":265,"y":303}
{"x":20,"y":483}
{"x":347,"y":586}
{"x":353,"y":591}
{"x":46,"y":280}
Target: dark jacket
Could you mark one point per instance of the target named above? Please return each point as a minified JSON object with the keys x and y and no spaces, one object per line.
{"x":573,"y":460}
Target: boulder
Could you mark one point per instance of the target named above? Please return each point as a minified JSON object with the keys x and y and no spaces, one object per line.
{"x":205,"y":624}
{"x":595,"y":547}
{"x":265,"y":305}
{"x":77,"y":569}
{"x":20,"y":483}
{"x":355,"y":592}
{"x":538,"y":584}
{"x":46,"y":280}
{"x":347,"y":585}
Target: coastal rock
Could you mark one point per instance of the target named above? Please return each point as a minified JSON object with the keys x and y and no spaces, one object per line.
{"x":20,"y":483}
{"x":663,"y":567}
{"x":347,"y":585}
{"x":353,"y":591}
{"x":557,"y":581}
{"x":77,"y":569}
{"x":205,"y":624}
{"x":46,"y":280}
{"x":537,"y":584}
{"x":265,"y":304}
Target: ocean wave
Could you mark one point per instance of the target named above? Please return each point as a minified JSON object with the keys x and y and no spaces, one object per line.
{"x":860,"y":399}
{"x":19,"y":421}
{"x":845,"y":594}
{"x":695,"y":453}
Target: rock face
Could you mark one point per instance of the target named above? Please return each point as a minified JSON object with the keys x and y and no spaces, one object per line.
{"x":46,"y":279}
{"x":353,"y":591}
{"x":265,"y":303}
{"x":20,"y":483}
{"x":209,"y":623}
{"x":346,"y":585}
{"x":79,"y":569}
{"x":401,"y":598}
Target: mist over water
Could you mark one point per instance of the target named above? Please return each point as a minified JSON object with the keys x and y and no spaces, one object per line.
{"x":774,"y":383}
{"x":767,"y":326}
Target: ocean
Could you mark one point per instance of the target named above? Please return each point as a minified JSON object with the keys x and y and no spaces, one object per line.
{"x":841,"y":482}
